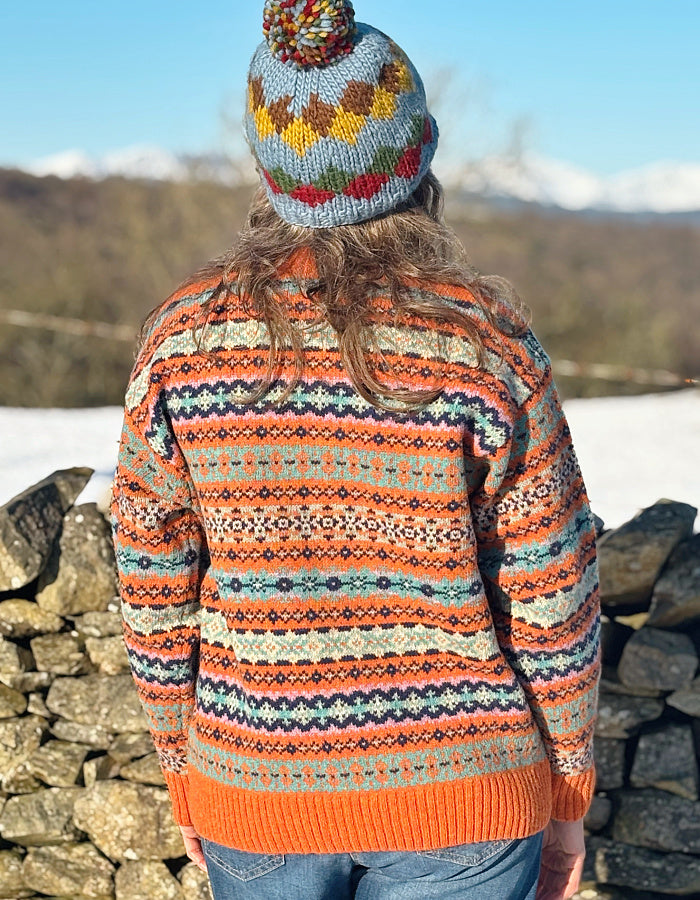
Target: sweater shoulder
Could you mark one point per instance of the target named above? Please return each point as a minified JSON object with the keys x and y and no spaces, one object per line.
{"x":169,"y":330}
{"x":514,"y":359}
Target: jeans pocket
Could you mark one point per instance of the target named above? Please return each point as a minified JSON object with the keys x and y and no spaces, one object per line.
{"x":472,"y":854}
{"x":240,"y":863}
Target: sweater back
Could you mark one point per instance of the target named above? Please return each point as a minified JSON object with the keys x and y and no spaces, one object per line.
{"x":354,"y":629}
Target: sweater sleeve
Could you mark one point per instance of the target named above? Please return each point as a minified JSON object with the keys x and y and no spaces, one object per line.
{"x":537,"y":557}
{"x":160,"y":552}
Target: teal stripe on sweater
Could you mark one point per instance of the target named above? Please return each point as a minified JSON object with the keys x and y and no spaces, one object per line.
{"x":465,"y":759}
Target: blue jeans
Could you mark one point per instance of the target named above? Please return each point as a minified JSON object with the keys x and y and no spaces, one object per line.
{"x":506,"y":870}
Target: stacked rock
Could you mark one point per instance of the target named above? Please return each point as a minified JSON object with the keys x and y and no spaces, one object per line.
{"x":644,"y":823}
{"x":84,"y":812}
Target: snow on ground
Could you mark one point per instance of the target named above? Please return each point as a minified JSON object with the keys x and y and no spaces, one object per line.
{"x":632,"y":450}
{"x":635,"y":450}
{"x":36,"y":442}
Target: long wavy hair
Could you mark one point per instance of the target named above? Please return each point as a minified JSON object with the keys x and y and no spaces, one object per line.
{"x":391,"y":255}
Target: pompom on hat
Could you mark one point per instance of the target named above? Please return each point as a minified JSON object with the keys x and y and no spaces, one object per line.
{"x":336,"y":118}
{"x":309,"y":34}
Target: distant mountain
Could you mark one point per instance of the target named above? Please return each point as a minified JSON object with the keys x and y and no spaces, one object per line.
{"x":132,"y":162}
{"x":143,"y":161}
{"x":661,"y":188}
{"x":530,"y":179}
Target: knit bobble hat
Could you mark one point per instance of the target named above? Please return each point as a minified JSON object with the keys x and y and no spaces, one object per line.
{"x":336,"y":116}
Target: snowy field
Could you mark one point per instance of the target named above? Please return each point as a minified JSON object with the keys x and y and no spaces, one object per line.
{"x":633,"y":450}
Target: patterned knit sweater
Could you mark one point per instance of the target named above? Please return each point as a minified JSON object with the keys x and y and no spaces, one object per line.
{"x":353,"y":629}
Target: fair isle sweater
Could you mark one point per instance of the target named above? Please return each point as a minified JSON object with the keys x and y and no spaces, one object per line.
{"x":354,"y":629}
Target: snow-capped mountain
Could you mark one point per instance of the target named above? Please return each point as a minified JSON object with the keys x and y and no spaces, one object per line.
{"x":530,"y":179}
{"x":143,"y":161}
{"x":664,"y":187}
{"x":131,"y":162}
{"x":69,"y":164}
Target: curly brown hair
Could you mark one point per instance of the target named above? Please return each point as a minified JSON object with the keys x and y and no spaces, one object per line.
{"x":411,"y":246}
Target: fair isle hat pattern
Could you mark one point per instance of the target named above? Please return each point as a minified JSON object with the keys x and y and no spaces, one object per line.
{"x":336,"y":118}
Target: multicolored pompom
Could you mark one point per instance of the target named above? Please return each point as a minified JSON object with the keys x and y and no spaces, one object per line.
{"x":309,"y":32}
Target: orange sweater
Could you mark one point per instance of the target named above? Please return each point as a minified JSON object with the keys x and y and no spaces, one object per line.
{"x":353,"y":629}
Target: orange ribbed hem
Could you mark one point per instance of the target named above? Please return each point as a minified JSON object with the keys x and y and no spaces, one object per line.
{"x":510,"y":804}
{"x":572,"y":795}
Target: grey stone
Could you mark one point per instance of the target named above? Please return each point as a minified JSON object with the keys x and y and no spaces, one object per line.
{"x":108,"y":701}
{"x":12,"y":702}
{"x":61,"y":654}
{"x":58,"y":763}
{"x":108,"y":654}
{"x":126,"y":747}
{"x":687,"y":700}
{"x":42,"y":817}
{"x":657,"y":820}
{"x":74,"y":869}
{"x":631,"y":557}
{"x":82,"y":733}
{"x":12,"y":886}
{"x":100,"y":768}
{"x":36,"y":705}
{"x":598,"y":814}
{"x":129,"y":821}
{"x":98,"y":623}
{"x":19,"y":738}
{"x":675,"y":601}
{"x":147,"y":880}
{"x":24,"y":682}
{"x":30,"y":523}
{"x":611,"y":684}
{"x":23,"y":618}
{"x":609,"y":756}
{"x":14,"y":659}
{"x":666,"y":760}
{"x":146,"y":770}
{"x":80,"y":574}
{"x":638,"y":867}
{"x":21,"y":781}
{"x":621,"y":716}
{"x":658,"y":659}
{"x":195,"y":883}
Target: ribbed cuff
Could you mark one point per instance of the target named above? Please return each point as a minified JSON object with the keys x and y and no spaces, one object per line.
{"x":178,"y":788}
{"x":572,"y":795}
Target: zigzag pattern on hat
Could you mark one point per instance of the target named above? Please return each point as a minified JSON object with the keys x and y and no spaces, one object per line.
{"x":359,"y":102}
{"x":387,"y":163}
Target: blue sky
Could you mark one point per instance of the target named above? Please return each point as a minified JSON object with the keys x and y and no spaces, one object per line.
{"x":607,"y":84}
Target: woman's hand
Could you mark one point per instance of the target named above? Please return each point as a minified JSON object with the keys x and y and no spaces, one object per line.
{"x":193,"y":846}
{"x":563,"y":852}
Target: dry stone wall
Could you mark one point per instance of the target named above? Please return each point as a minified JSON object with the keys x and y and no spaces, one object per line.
{"x":84,"y":812}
